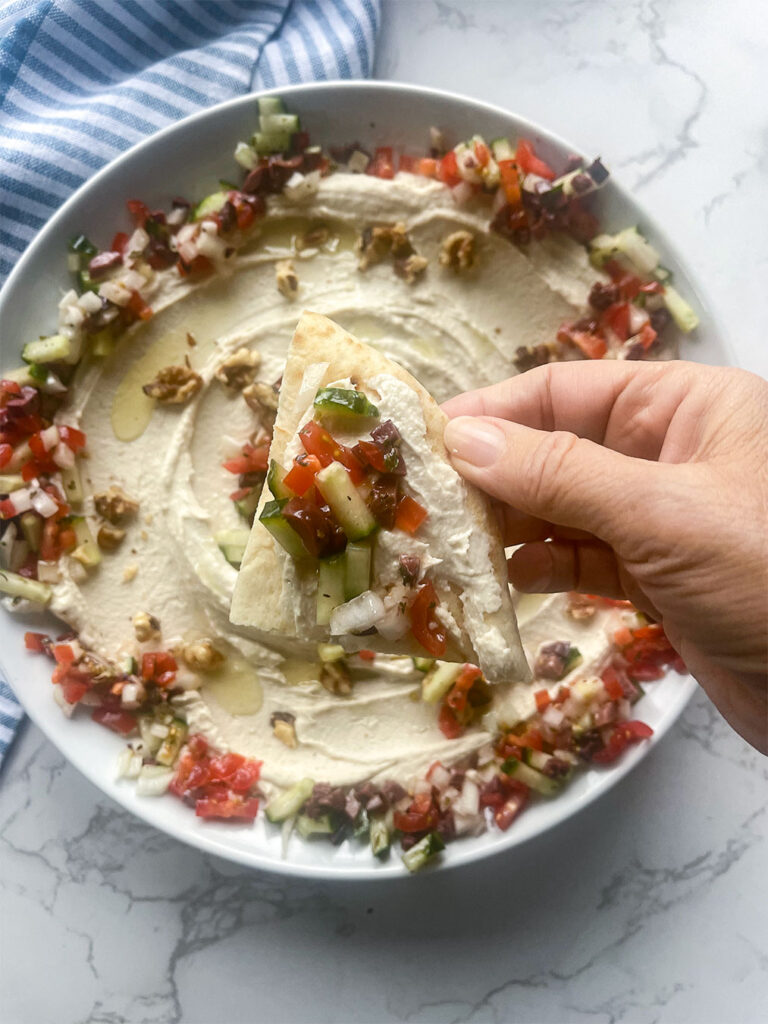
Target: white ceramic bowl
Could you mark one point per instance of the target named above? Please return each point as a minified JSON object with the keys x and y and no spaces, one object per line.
{"x":188,"y":158}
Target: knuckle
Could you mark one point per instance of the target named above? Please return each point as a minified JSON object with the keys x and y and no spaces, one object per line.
{"x":546,"y":473}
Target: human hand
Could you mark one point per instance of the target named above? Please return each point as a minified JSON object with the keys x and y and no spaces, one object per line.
{"x":640,"y":480}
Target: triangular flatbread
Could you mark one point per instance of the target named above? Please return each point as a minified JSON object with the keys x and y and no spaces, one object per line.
{"x":457,"y":549}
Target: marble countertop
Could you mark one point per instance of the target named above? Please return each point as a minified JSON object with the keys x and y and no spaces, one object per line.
{"x":650,"y":905}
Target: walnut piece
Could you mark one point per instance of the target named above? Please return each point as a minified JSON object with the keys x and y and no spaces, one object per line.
{"x":109,"y":538}
{"x":115,"y":506}
{"x":527,"y":357}
{"x":145,"y":626}
{"x":287,"y":280}
{"x":239,"y":369}
{"x":262,"y":398}
{"x":411,"y":268}
{"x":458,"y":251}
{"x":313,"y":238}
{"x":174,"y":385}
{"x":334,"y":676}
{"x":375,"y":244}
{"x":285,"y":731}
{"x":202,"y":656}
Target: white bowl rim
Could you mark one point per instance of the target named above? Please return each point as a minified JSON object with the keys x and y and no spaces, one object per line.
{"x":456,"y":853}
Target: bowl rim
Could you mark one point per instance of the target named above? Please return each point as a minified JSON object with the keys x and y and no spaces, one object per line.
{"x":456,"y":854}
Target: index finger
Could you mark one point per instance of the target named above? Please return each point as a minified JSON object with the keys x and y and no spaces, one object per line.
{"x":623,"y":405}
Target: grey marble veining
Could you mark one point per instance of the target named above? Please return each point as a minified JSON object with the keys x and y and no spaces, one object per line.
{"x":651,"y":904}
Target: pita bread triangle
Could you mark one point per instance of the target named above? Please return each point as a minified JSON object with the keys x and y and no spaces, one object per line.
{"x":457,"y":549}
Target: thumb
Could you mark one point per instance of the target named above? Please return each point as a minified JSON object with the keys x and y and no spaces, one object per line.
{"x":552,"y":475}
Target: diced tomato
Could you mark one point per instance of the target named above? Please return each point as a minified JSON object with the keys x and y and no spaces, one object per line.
{"x":617,"y":318}
{"x":449,"y":724}
{"x":197,"y":267}
{"x":254,"y":459}
{"x":317,"y":441}
{"x":448,"y":169}
{"x":542,"y":700}
{"x":120,"y":242}
{"x":36,"y":468}
{"x":37,"y":642}
{"x":158,"y":667}
{"x":6,"y":454}
{"x":382,"y":165}
{"x":74,"y":690}
{"x":483,"y":153}
{"x":623,"y":636}
{"x":410,"y":514}
{"x":9,"y":387}
{"x":622,"y":735}
{"x":407,"y":163}
{"x":647,"y":336}
{"x":653,"y":631}
{"x":652,"y":288}
{"x":529,"y":163}
{"x":425,"y":625}
{"x":138,"y":307}
{"x":371,"y":454}
{"x":562,"y":695}
{"x":612,"y":684}
{"x":123,"y":722}
{"x":421,"y":816}
{"x":246,"y":777}
{"x":512,"y":806}
{"x":7,"y":508}
{"x":301,"y":476}
{"x":73,"y":438}
{"x":510,"y":182}
{"x":427,"y":167}
{"x":230,"y":807}
{"x":223,"y":767}
{"x":63,"y":654}
{"x":139,"y":211}
{"x":629,"y":284}
{"x":366,"y":655}
{"x":457,"y":697}
{"x":532,"y":738}
{"x":592,"y":345}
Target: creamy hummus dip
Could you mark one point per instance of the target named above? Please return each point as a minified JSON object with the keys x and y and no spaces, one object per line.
{"x":454,"y":331}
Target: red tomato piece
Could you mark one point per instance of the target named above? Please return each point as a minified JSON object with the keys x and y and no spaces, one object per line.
{"x":542,"y":700}
{"x":138,"y":307}
{"x":371,"y":454}
{"x":407,"y":163}
{"x":592,"y":345}
{"x":415,"y":820}
{"x":73,"y":438}
{"x":232,"y":807}
{"x":612,"y":684}
{"x":427,"y":167}
{"x":510,"y":182}
{"x":123,"y":722}
{"x":158,"y":667}
{"x":382,"y":165}
{"x":63,"y":655}
{"x":37,"y":642}
{"x":410,"y":514}
{"x":366,"y":655}
{"x":223,"y":767}
{"x":301,"y":476}
{"x":7,"y":509}
{"x":647,"y":336}
{"x":448,"y":170}
{"x":6,"y":454}
{"x":512,"y":806}
{"x":317,"y":441}
{"x":74,"y":690}
{"x":482,"y":153}
{"x":246,"y":777}
{"x":139,"y":211}
{"x":120,"y":242}
{"x":425,"y":625}
{"x":459,"y":692}
{"x":529,"y":163}
{"x":617,"y":318}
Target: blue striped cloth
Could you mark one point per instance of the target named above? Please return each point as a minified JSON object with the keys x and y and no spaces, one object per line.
{"x":83,"y":80}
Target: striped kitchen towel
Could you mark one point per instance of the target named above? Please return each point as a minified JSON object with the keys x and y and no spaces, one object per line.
{"x":83,"y":80}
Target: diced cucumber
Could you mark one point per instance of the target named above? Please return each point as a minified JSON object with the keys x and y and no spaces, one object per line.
{"x":423,"y":852}
{"x":245,"y":156}
{"x":330,"y":587}
{"x":103,"y":343}
{"x":232,"y":544}
{"x":269,"y":105}
{"x":83,"y":246}
{"x":275,"y":124}
{"x":537,"y":760}
{"x":19,"y":586}
{"x":362,"y":825}
{"x":535,"y":780}
{"x":439,"y":681}
{"x":211,"y":204}
{"x":21,"y":376}
{"x":345,"y":501}
{"x":247,"y":506}
{"x":128,"y":665}
{"x":275,"y":478}
{"x":308,"y":827}
{"x":574,"y":658}
{"x":10,"y":482}
{"x":423,"y":664}
{"x":344,"y":403}
{"x":357,"y":575}
{"x":173,"y":742}
{"x":72,"y":483}
{"x":87,"y":550}
{"x":330,"y":652}
{"x":274,"y":142}
{"x":682,"y":313}
{"x":379,"y":837}
{"x":637,"y":249}
{"x":271,"y":517}
{"x":151,"y":742}
{"x":287,"y":804}
{"x":32,"y":528}
{"x":502,"y":150}
{"x":55,"y":349}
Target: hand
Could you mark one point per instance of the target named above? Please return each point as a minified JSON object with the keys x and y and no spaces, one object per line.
{"x":640,"y":480}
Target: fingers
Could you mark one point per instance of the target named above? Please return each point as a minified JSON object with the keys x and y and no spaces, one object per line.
{"x":555,"y":476}
{"x":626,"y":406}
{"x":518,"y":528}
{"x":545,"y":568}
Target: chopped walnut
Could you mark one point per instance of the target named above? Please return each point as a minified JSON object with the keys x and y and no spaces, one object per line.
{"x":334,"y":675}
{"x":411,"y":268}
{"x":115,"y":506}
{"x":526,"y":357}
{"x":375,"y":244}
{"x":238,"y":370}
{"x":287,"y":281}
{"x":174,"y":385}
{"x":313,"y":238}
{"x":109,"y":538}
{"x":145,"y":626}
{"x":202,"y":656}
{"x":262,"y":398}
{"x":458,"y":251}
{"x":283,"y":728}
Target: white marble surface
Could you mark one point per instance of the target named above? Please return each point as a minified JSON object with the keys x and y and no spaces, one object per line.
{"x":648,"y":907}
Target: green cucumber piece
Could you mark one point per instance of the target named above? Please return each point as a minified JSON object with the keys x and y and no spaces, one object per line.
{"x":439,"y":681}
{"x":637,"y":249}
{"x":10,"y":482}
{"x":308,"y":827}
{"x":87,"y":550}
{"x":72,"y":483}
{"x":32,"y":528}
{"x":55,"y":349}
{"x":379,"y":837}
{"x":275,"y":477}
{"x":681,"y":312}
{"x":173,"y":742}
{"x":14,"y":585}
{"x":232,"y":544}
{"x":271,"y":517}
{"x":345,"y":501}
{"x":247,"y":506}
{"x":423,"y":664}
{"x":345,"y":403}
{"x":535,"y":780}
{"x":274,"y":142}
{"x":275,"y":124}
{"x":83,"y":246}
{"x":574,"y":658}
{"x":502,"y":150}
{"x":287,"y":804}
{"x":211,"y":204}
{"x":22,"y":376}
{"x":270,"y":105}
{"x":330,"y":587}
{"x":423,"y":852}
{"x":357,"y":571}
{"x":245,"y":156}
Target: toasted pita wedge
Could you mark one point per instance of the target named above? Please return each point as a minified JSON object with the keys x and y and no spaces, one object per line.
{"x":456,"y":550}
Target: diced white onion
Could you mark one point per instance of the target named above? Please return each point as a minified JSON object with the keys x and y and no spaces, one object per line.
{"x":130,"y":693}
{"x":43,"y":504}
{"x":177,"y":217}
{"x":301,"y":186}
{"x":63,"y":456}
{"x":422,"y":787}
{"x":187,"y":250}
{"x":624,"y":709}
{"x":48,"y":572}
{"x":499,"y":201}
{"x":69,"y":298}
{"x":114,"y":291}
{"x":211,"y":245}
{"x":21,"y":499}
{"x":553,"y":717}
{"x":394,"y":625}
{"x":72,"y":316}
{"x":133,"y":281}
{"x":58,"y":696}
{"x":358,"y":162}
{"x":469,"y":801}
{"x":50,"y":437}
{"x":89,"y":302}
{"x":153,"y":780}
{"x":158,"y":729}
{"x":637,"y":318}
{"x":138,"y":241}
{"x":245,"y":156}
{"x":468,"y":167}
{"x":440,"y":777}
{"x":186,"y":234}
{"x":357,"y":615}
{"x":123,"y":762}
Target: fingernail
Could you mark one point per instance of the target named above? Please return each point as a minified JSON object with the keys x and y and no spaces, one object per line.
{"x":476,"y":441}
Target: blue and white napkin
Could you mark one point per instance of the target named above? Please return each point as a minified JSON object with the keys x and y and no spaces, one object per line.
{"x":83,"y":80}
